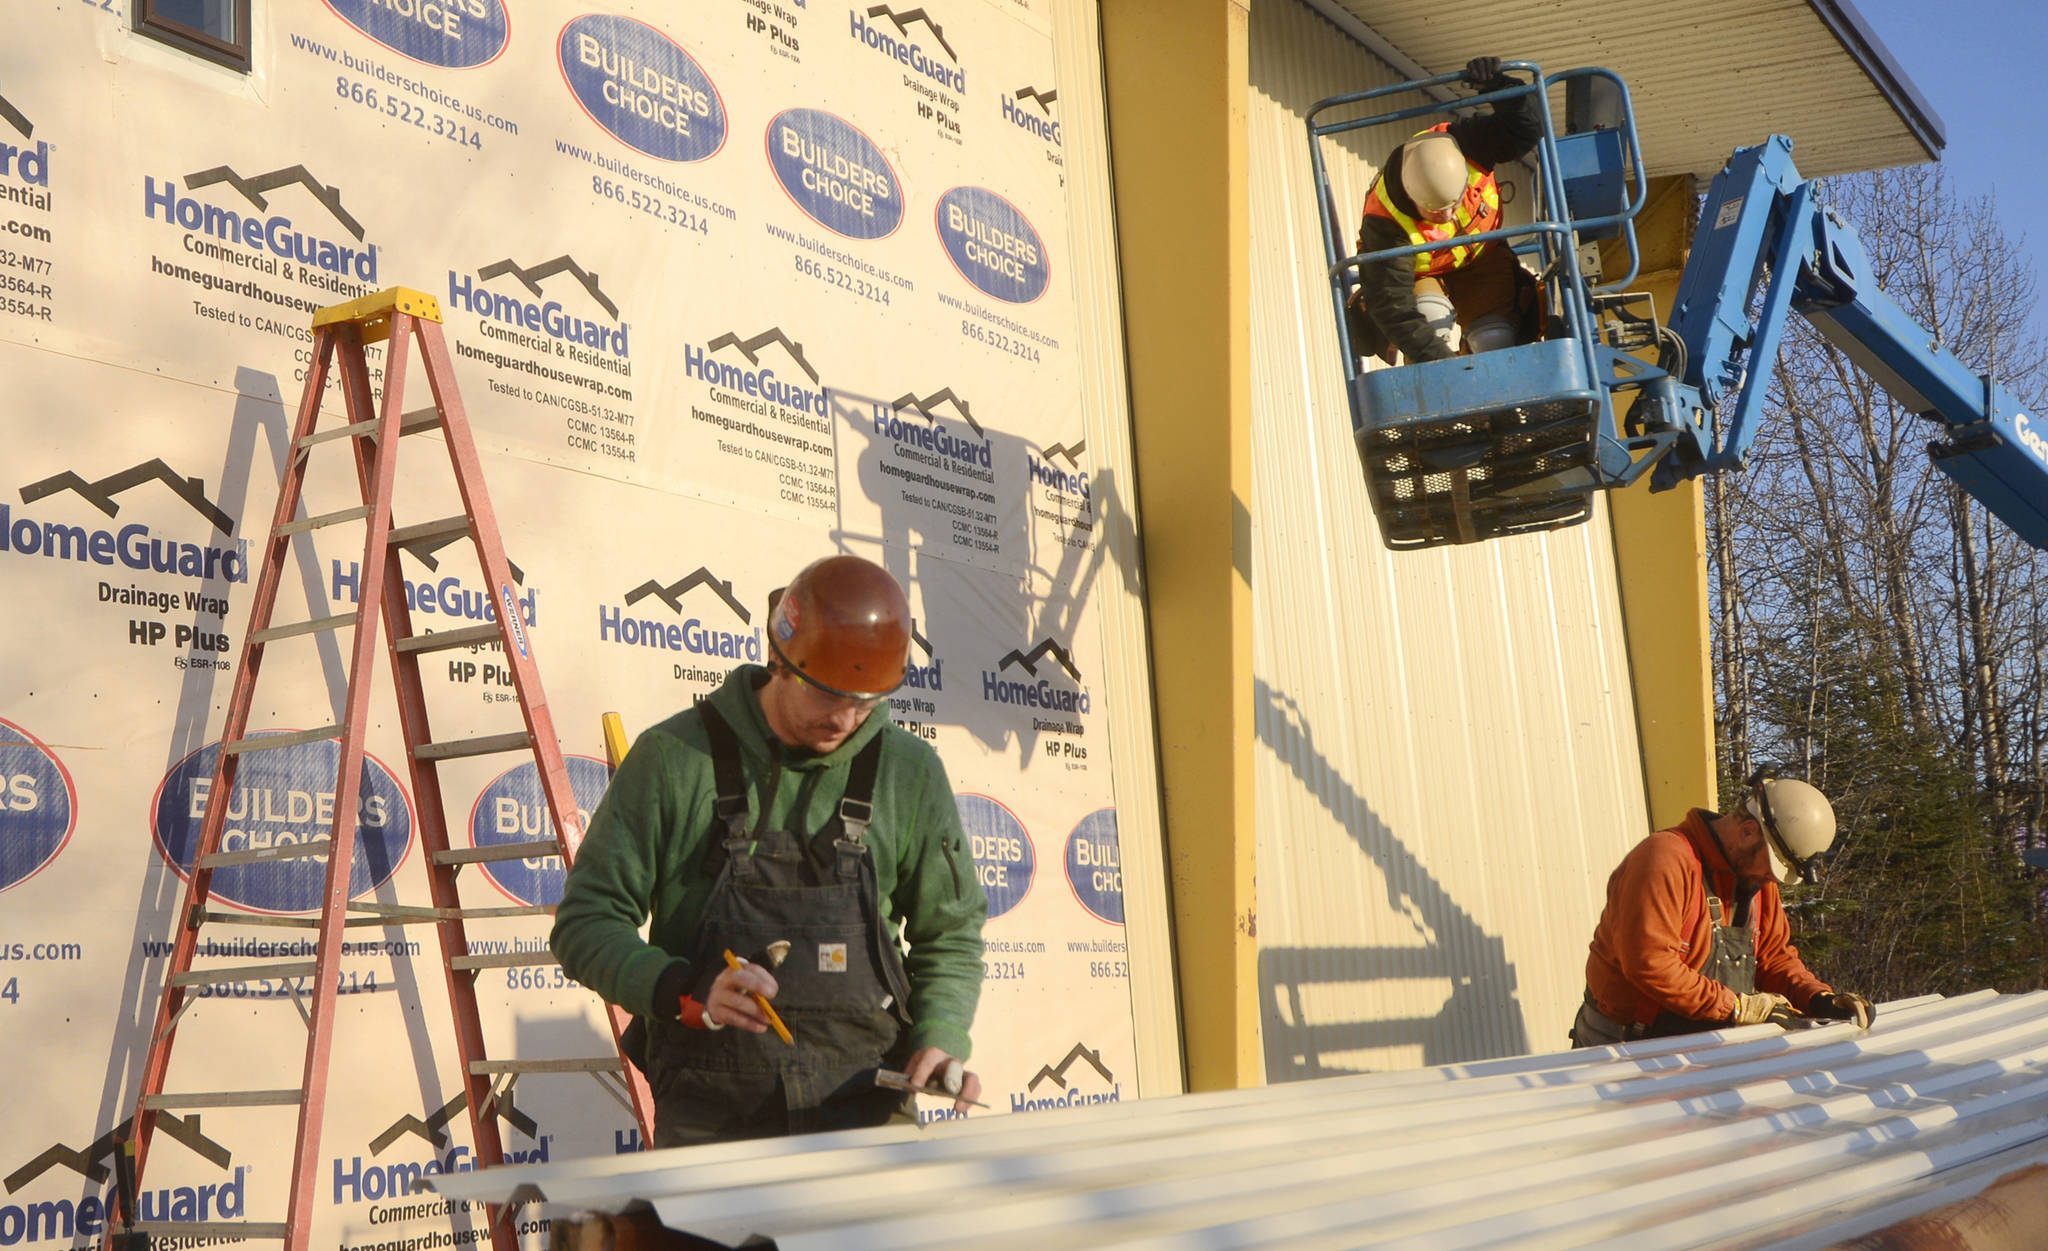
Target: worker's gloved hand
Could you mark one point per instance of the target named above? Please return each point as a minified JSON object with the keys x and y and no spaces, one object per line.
{"x":932,"y":1067}
{"x":1482,"y":71}
{"x":1843,"y":1005}
{"x":1762,"y":1008}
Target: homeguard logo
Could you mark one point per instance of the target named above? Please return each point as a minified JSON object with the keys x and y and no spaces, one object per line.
{"x":132,"y":546}
{"x":1035,"y":117}
{"x":87,"y":1163}
{"x":321,"y":261}
{"x":585,"y":339}
{"x":931,"y":442}
{"x":1043,"y":693}
{"x":430,"y":1128}
{"x":755,"y":388}
{"x":29,"y":165}
{"x":692,"y":635}
{"x":925,"y":677}
{"x":926,"y":403}
{"x":1070,"y":481}
{"x":1070,"y":1095}
{"x":900,"y":48}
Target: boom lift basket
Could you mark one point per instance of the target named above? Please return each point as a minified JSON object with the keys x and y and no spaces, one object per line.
{"x":1515,"y":440}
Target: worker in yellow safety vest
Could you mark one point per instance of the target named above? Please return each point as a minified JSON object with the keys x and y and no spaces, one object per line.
{"x":1440,"y":185}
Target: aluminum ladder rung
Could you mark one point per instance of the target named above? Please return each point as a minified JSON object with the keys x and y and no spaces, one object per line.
{"x":504,"y":960}
{"x":446,"y":526}
{"x":402,"y":914}
{"x":296,"y":628}
{"x":441,"y":640}
{"x":411,"y":423}
{"x":244,"y":973}
{"x":211,"y":917}
{"x":271,"y":742}
{"x":304,"y":524}
{"x":525,"y":849}
{"x":226,"y":1099}
{"x":455,"y":749}
{"x":267,"y":855}
{"x":208,"y":1229}
{"x":589,"y":1064}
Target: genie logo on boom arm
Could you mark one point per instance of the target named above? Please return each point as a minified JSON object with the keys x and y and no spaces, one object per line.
{"x":754,"y":389}
{"x":270,"y":244}
{"x":585,"y":338}
{"x":616,"y":625}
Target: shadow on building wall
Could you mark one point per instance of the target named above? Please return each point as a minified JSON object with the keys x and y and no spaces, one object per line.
{"x":1480,"y":1020}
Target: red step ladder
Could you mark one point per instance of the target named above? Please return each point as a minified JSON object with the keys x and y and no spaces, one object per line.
{"x":404,"y":317}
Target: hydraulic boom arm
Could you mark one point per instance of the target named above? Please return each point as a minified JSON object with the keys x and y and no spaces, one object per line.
{"x":1766,"y":248}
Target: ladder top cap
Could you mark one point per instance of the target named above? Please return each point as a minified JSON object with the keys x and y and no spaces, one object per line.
{"x":380,"y":307}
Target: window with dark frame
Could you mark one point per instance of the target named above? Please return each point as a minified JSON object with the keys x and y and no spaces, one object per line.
{"x":217,"y":30}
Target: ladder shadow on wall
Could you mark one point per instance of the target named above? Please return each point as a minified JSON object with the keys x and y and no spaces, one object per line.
{"x":259,"y":430}
{"x":1481,"y":1017}
{"x":972,"y":615}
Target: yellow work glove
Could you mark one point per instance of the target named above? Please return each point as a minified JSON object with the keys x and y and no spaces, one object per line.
{"x":1843,"y":1005}
{"x":1761,"y":1008}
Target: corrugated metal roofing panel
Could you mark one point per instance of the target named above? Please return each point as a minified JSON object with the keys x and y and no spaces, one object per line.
{"x":1741,"y":1138}
{"x":1705,"y":78}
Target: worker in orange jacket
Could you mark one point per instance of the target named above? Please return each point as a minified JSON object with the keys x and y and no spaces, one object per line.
{"x":1694,"y":936}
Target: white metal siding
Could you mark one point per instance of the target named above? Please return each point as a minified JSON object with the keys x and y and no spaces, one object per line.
{"x":1447,"y":765}
{"x":1743,"y":1138}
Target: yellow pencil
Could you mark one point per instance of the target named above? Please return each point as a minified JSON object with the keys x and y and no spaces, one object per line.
{"x":781,"y":1031}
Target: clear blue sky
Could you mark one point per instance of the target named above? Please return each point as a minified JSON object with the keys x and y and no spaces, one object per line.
{"x":1983,"y":67}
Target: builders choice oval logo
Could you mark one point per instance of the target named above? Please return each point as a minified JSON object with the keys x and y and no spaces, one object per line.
{"x":1003,"y":855}
{"x":641,"y":86}
{"x":992,"y":245}
{"x":38,"y":805}
{"x":513,"y":809}
{"x":835,"y":173}
{"x":453,"y":34}
{"x":282,"y":797}
{"x":1095,"y":866}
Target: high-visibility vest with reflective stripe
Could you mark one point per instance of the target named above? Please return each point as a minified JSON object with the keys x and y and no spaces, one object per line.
{"x":1478,"y":211}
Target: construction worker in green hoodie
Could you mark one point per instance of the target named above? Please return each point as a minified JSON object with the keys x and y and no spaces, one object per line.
{"x":789,"y":821}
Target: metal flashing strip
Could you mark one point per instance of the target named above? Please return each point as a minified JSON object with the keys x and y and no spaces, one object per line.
{"x":1847,"y":25}
{"x":1791,"y":1140}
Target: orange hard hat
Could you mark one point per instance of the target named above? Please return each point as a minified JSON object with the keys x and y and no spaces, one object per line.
{"x":843,"y":625}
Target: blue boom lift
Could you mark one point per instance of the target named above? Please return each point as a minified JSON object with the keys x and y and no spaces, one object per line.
{"x":1517,"y":440}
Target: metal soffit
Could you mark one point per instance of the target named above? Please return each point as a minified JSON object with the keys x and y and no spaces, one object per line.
{"x":1706,"y":78}
{"x":1741,"y":1138}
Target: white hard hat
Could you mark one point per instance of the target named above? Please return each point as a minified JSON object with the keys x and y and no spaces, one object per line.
{"x":1434,"y":172}
{"x":1798,"y":823}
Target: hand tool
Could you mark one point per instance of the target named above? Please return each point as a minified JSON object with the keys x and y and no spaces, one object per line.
{"x":781,"y":1031}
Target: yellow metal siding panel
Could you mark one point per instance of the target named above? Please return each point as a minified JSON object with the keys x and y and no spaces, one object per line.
{"x":1133,"y":734}
{"x":1447,"y":765}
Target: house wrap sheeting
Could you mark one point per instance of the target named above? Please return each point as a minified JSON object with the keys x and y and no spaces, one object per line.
{"x":1746,"y":1137}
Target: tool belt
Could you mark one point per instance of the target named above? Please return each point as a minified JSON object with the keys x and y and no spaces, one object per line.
{"x":1595,"y":1028}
